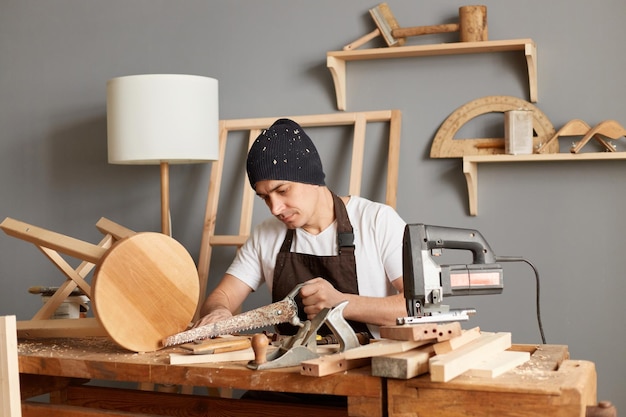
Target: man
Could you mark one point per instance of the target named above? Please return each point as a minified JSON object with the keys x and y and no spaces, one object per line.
{"x":343,"y":248}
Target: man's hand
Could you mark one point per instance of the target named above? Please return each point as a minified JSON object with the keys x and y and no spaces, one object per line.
{"x":319,"y":294}
{"x":214,"y":316}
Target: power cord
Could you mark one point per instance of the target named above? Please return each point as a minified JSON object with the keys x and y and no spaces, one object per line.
{"x":538,"y":304}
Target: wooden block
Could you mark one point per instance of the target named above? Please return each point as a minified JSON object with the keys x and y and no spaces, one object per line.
{"x":235,"y":356}
{"x":499,"y":363}
{"x":218,"y":345}
{"x":447,"y":331}
{"x":456,"y":342}
{"x":425,"y":331}
{"x":356,"y":357}
{"x":422,"y":331}
{"x":327,"y":365}
{"x":445,"y":367}
{"x":382,"y":347}
{"x":404,"y":365}
{"x":10,"y":402}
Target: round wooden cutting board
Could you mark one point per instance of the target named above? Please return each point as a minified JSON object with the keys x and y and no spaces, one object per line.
{"x":145,"y":289}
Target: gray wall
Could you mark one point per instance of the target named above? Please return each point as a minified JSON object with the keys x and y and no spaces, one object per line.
{"x":270,"y":59}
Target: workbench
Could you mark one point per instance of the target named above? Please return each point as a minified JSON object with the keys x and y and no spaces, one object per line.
{"x":549,"y":384}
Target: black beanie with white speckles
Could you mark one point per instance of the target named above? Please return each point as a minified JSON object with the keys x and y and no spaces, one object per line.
{"x":284,"y":152}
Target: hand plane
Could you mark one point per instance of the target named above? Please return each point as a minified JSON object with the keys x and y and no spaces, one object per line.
{"x":302,"y":346}
{"x":426,"y":282}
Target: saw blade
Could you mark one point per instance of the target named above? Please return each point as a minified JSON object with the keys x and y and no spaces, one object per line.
{"x":280,"y":312}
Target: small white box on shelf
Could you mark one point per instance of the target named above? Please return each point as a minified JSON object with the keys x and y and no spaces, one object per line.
{"x":518,"y":132}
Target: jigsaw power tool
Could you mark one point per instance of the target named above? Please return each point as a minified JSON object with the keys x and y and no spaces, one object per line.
{"x":426,"y":282}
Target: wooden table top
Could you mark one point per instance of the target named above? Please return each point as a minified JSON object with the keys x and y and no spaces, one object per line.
{"x":100,"y":358}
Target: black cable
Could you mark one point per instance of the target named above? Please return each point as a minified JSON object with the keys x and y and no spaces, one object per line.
{"x":537,"y":302}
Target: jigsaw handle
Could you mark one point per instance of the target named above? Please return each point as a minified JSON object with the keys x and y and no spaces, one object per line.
{"x":440,"y":237}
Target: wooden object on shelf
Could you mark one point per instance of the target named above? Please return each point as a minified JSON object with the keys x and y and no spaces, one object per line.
{"x":577,"y":127}
{"x":253,"y":126}
{"x":10,"y":402}
{"x":445,"y":145}
{"x":607,"y":128}
{"x":472,"y":26}
{"x":471,"y":162}
{"x":336,"y":60}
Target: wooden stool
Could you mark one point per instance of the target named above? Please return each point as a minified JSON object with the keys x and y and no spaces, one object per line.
{"x":145,"y":286}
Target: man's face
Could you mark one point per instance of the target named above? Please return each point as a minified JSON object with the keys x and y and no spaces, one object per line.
{"x":293,"y":203}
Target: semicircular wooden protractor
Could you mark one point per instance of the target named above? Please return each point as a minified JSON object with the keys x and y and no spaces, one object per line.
{"x":445,"y":145}
{"x":145,"y":289}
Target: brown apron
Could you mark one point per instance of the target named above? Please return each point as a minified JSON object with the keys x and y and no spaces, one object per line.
{"x":293,"y":268}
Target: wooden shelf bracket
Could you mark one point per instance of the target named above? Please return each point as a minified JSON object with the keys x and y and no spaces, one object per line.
{"x":470,"y":166}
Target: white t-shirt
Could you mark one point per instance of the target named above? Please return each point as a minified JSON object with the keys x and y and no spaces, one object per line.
{"x":378,"y":234}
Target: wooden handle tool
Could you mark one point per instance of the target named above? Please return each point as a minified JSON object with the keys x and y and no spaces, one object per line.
{"x":260,"y":343}
{"x":218,"y":345}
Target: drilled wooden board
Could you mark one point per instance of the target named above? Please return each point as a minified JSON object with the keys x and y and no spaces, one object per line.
{"x":445,"y":145}
{"x":145,"y":288}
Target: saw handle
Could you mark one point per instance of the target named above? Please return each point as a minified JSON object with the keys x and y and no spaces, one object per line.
{"x":260,"y":342}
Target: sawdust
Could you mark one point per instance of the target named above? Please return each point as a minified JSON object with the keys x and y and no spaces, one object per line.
{"x":96,"y":348}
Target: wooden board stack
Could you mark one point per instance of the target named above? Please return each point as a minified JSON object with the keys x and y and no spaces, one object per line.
{"x":444,"y":350}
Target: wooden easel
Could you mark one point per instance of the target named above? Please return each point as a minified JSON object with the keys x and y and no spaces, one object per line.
{"x":358,"y":120}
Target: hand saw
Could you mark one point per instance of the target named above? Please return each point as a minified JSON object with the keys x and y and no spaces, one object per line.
{"x":284,"y":311}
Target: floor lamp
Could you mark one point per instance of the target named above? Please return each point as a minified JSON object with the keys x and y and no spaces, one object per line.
{"x":162,"y":119}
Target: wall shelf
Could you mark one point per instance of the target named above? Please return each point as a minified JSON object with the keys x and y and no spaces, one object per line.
{"x":336,"y":60}
{"x":470,"y":166}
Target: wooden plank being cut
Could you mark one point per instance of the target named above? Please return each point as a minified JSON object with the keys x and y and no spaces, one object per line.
{"x":404,"y":365}
{"x":447,"y":346}
{"x":499,"y":363}
{"x":10,"y":402}
{"x":445,"y":367}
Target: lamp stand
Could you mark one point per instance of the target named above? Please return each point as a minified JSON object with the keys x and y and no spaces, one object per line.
{"x":165,"y":198}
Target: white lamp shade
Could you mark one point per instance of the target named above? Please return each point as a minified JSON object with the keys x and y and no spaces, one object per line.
{"x":158,"y":118}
